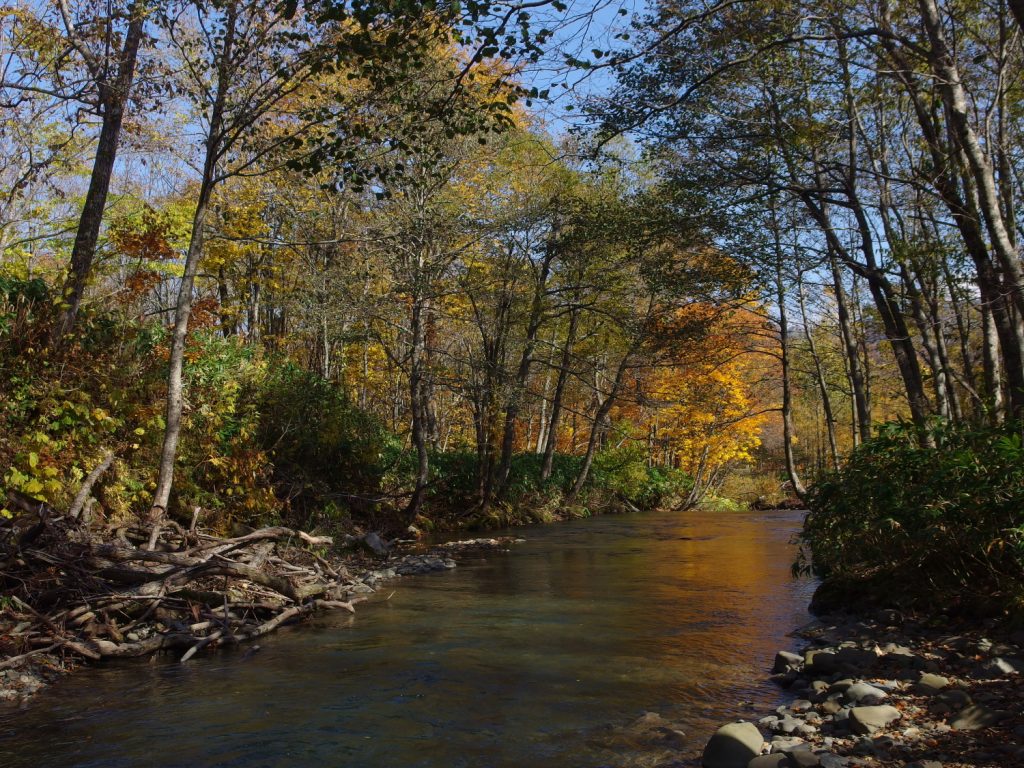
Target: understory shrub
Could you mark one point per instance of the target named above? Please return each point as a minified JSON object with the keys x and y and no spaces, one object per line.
{"x":327,"y":454}
{"x":625,"y":472}
{"x":939,"y":525}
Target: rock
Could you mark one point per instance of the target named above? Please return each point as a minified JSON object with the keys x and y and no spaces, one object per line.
{"x":856,"y":658}
{"x":786,"y":661}
{"x":374,"y":543}
{"x":924,"y":764}
{"x":830,"y":707}
{"x":864,"y":746}
{"x":800,"y":705}
{"x":828,"y":760}
{"x":788,"y":724}
{"x":732,"y":746}
{"x":778,"y":760}
{"x":820,"y":662}
{"x":954,"y":698}
{"x":929,"y":684}
{"x":785,"y":679}
{"x":788,"y":744}
{"x":977,"y":716}
{"x":839,"y":686}
{"x":804,"y":759}
{"x":868,"y":720}
{"x":993,"y":669}
{"x":769,"y":722}
{"x":859,"y":693}
{"x":819,"y":687}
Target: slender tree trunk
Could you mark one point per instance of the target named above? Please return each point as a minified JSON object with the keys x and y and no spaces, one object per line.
{"x":819,"y":374}
{"x":533,"y":327}
{"x":183,"y":308}
{"x":990,"y":365}
{"x":861,"y":406}
{"x":598,"y":428}
{"x":787,"y":392}
{"x":113,"y":98}
{"x":418,"y":405}
{"x":556,"y":400}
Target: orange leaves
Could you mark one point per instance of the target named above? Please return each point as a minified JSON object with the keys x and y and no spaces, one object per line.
{"x":145,"y":237}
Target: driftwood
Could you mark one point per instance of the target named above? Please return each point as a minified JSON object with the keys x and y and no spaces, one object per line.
{"x":82,"y":496}
{"x":131,"y":590}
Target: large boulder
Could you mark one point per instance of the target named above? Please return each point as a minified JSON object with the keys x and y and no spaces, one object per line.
{"x":732,"y":746}
{"x":868,"y":720}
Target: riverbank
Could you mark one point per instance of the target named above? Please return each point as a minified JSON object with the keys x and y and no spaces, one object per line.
{"x":887,"y":691}
{"x":343,"y":578}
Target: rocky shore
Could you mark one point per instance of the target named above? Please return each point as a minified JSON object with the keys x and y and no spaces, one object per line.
{"x":887,"y":691}
{"x":372,"y":565}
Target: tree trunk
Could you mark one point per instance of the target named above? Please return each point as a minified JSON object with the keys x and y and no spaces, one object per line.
{"x":418,"y":404}
{"x":556,"y":400}
{"x":113,"y":98}
{"x":533,"y":327}
{"x":819,"y":374}
{"x":943,"y":64}
{"x":861,"y":404}
{"x":598,"y":427}
{"x":183,"y":308}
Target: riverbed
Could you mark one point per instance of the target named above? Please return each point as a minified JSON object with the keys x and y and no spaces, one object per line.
{"x":541,"y":656}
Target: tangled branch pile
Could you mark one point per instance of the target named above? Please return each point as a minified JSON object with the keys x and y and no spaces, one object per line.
{"x":127,"y":590}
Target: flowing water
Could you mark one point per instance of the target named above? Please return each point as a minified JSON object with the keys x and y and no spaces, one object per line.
{"x":538,"y":657}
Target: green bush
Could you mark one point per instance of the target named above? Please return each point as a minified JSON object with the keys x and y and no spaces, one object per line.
{"x":625,"y":472}
{"x":931,"y":525}
{"x":326,"y":452}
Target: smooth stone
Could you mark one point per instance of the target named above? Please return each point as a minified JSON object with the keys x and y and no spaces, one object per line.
{"x":828,"y":760}
{"x":788,"y":744}
{"x":954,"y":698}
{"x":785,"y":661}
{"x":804,"y":759}
{"x":977,"y":716}
{"x":998,"y":667}
{"x":778,"y":760}
{"x":732,"y":746}
{"x":862,"y":692}
{"x":868,"y":720}
{"x":830,"y":707}
{"x":929,"y":684}
{"x":787,"y":724}
{"x":858,"y":658}
{"x":823,"y":662}
{"x":800,"y":705}
{"x":924,"y":764}
{"x":840,"y":686}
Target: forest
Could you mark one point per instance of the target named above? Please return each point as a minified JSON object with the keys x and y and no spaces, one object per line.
{"x":346,"y":267}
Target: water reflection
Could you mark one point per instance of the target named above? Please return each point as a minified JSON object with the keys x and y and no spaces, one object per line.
{"x":541,"y":657}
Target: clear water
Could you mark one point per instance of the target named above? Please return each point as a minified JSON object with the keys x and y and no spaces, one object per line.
{"x":537,"y":657}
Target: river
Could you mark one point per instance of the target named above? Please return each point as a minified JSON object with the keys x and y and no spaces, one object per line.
{"x":537,"y":657}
